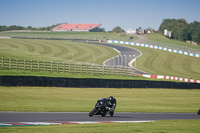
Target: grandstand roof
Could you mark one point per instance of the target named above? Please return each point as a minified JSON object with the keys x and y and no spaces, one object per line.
{"x":75,"y":27}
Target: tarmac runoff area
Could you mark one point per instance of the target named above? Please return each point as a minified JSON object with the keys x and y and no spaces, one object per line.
{"x":8,"y":119}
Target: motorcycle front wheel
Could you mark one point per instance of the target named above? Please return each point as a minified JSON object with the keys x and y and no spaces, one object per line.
{"x":92,"y":112}
{"x":111,"y":113}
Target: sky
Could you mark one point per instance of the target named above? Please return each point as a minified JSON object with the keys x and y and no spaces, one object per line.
{"x":128,"y":14}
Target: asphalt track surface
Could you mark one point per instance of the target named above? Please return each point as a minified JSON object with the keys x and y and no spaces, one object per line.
{"x":83,"y":116}
{"x":126,"y":56}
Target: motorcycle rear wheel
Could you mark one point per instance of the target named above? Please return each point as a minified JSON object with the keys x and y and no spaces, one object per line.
{"x":92,"y":112}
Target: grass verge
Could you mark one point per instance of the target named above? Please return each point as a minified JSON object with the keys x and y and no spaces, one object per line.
{"x":54,"y":99}
{"x":166,"y":126}
{"x":69,"y":75}
{"x":71,"y":35}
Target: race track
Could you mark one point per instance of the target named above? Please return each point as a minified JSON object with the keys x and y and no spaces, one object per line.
{"x":83,"y":116}
{"x":125,"y":57}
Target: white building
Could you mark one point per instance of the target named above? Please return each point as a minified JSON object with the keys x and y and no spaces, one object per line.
{"x":167,"y":33}
{"x":131,"y":31}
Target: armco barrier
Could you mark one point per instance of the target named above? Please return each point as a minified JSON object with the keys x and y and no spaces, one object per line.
{"x":91,"y":83}
{"x":155,"y":47}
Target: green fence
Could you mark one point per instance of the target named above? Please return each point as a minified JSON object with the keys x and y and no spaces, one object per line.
{"x":85,"y":69}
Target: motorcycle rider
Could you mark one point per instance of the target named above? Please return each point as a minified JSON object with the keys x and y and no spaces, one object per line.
{"x":112,"y":102}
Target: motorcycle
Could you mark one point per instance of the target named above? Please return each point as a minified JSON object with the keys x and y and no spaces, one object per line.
{"x":198,"y":112}
{"x":102,"y":108}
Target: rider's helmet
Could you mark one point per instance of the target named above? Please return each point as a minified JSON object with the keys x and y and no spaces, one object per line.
{"x":111,"y":98}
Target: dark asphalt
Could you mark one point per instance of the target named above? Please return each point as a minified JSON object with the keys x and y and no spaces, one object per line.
{"x":125,"y":56}
{"x":83,"y":116}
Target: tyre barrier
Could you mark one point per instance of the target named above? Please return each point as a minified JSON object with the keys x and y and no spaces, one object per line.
{"x":91,"y":83}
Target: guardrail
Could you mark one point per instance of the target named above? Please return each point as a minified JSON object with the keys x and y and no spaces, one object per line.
{"x":85,"y":69}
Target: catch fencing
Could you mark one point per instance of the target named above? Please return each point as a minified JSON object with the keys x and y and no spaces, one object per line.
{"x":83,"y":69}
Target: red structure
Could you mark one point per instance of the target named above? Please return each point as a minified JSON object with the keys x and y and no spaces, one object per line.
{"x":75,"y":27}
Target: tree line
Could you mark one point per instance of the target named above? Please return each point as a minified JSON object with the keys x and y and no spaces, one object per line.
{"x":15,"y":27}
{"x":181,"y":30}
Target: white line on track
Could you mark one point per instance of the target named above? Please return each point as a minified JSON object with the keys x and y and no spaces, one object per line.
{"x":63,"y":123}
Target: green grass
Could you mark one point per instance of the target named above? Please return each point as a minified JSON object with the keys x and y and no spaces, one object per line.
{"x":167,"y":126}
{"x":52,"y":99}
{"x":52,"y":50}
{"x":160,"y":40}
{"x":152,"y":61}
{"x":160,"y":62}
{"x":68,"y":75}
{"x":70,"y":35}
